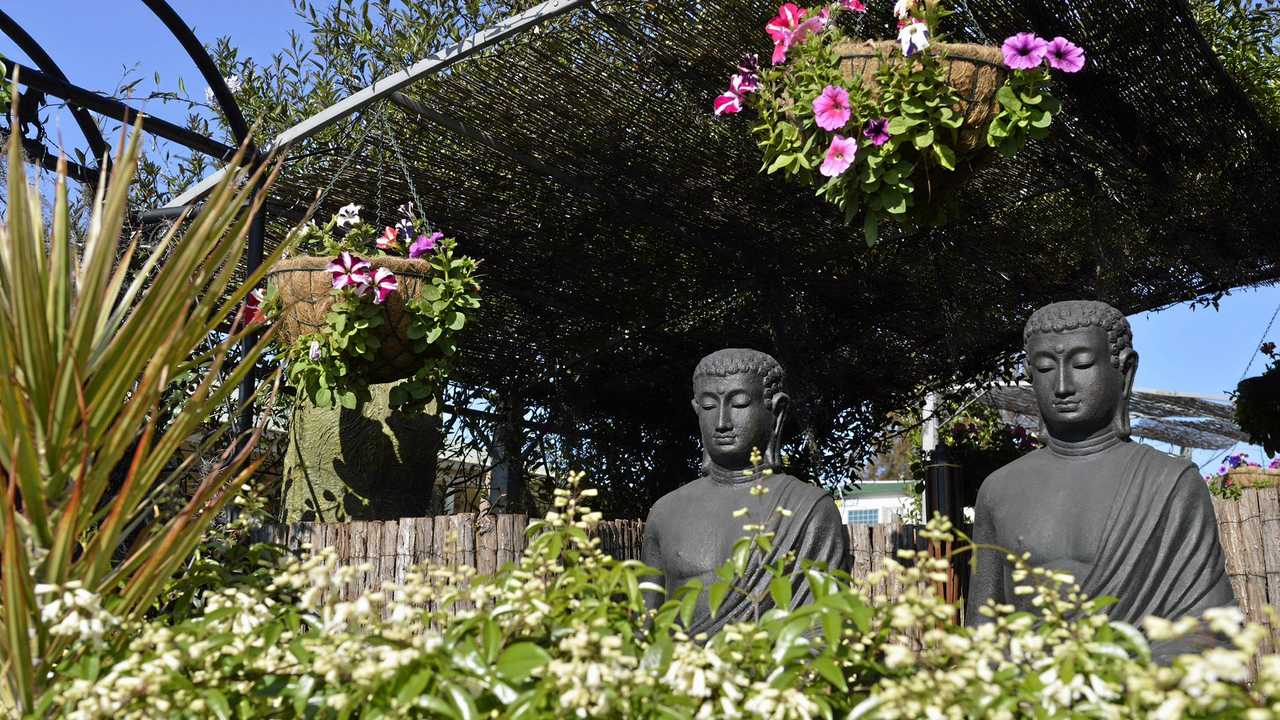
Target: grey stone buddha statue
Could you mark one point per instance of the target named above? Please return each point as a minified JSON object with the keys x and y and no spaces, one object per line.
{"x":1124,"y":519}
{"x":738,"y":398}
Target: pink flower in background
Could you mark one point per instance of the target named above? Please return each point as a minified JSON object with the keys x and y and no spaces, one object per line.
{"x":389,"y":239}
{"x":831,"y":109}
{"x":350,"y":271}
{"x":1025,"y":51}
{"x":1064,"y":55}
{"x":384,"y":283}
{"x":253,"y":308}
{"x":840,"y":155}
{"x":790,"y":27}
{"x":424,"y":244}
{"x":730,"y":101}
{"x":913,"y":37}
{"x":1274,"y":464}
{"x":877,"y":131}
{"x":854,"y":5}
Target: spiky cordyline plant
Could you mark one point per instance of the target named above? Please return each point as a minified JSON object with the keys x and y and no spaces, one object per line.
{"x":86,"y":351}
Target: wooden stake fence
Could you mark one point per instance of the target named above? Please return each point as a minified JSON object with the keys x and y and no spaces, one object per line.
{"x":1249,"y":527}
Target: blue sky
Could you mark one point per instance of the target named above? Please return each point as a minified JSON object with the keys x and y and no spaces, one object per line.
{"x":1199,"y":351}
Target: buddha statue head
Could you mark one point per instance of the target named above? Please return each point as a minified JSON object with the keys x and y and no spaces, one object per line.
{"x":738,"y":398}
{"x":1081,"y":362}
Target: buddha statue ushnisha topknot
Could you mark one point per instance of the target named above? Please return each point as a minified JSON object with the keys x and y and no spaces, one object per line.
{"x":1123,"y":519}
{"x":741,"y":407}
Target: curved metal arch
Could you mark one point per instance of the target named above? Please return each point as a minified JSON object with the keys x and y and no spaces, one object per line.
{"x":33,"y":49}
{"x":195,"y":50}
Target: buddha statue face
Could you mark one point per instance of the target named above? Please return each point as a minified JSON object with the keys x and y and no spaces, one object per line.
{"x":733,"y":418}
{"x":1081,"y":375}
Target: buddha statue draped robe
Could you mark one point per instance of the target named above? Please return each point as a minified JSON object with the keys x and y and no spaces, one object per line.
{"x":1127,"y":521}
{"x":691,"y":532}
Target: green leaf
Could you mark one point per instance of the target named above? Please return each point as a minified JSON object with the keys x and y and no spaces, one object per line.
{"x":899,"y":125}
{"x":780,"y":591}
{"x":324,"y":398}
{"x":217,"y":703}
{"x":689,"y":601}
{"x":348,"y":400}
{"x":459,"y":320}
{"x":518,"y":661}
{"x":871,"y":229}
{"x":1041,"y":118}
{"x":716,"y":595}
{"x":413,"y":687}
{"x":924,"y":139}
{"x":1008,"y":98}
{"x":946,"y":156}
{"x":828,"y":669}
{"x":782,"y":161}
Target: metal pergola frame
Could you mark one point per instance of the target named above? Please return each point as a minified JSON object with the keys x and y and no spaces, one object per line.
{"x":49,"y":79}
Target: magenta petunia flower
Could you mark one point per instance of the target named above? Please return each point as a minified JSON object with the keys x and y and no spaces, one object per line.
{"x":730,"y":101}
{"x":1024,"y":51}
{"x":424,"y":244}
{"x":384,"y":283}
{"x":840,"y":155}
{"x":790,"y":27}
{"x":831,"y":108}
{"x":877,"y":131}
{"x":350,"y":271}
{"x":913,"y":37}
{"x":389,"y":239}
{"x":750,"y":64}
{"x":1064,"y":55}
{"x":854,"y":5}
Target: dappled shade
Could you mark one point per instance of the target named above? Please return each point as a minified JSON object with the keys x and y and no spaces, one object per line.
{"x":625,"y":232}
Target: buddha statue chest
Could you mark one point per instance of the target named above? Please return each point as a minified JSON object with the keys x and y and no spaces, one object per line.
{"x":698,"y":534}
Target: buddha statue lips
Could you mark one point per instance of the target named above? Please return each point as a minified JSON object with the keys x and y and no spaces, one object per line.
{"x":690,"y":533}
{"x":1123,"y":519}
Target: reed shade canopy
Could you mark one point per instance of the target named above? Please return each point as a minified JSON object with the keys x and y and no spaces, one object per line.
{"x":625,"y":232}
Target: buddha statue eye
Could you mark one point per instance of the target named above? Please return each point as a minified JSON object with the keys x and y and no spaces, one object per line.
{"x":1083,"y":361}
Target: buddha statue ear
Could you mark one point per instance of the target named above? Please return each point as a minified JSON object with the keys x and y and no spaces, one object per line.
{"x":706,"y":456}
{"x":1128,"y":370}
{"x":778,"y":406}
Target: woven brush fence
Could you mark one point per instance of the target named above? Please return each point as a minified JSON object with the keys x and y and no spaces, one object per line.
{"x":1249,"y":528}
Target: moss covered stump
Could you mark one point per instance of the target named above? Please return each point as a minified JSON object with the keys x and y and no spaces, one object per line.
{"x":371,"y":463}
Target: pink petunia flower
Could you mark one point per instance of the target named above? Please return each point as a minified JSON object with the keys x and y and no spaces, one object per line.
{"x":854,"y":5}
{"x":1024,"y":51}
{"x":913,"y":37}
{"x":790,"y":27}
{"x":840,"y":155}
{"x":1064,"y":55}
{"x":877,"y":131}
{"x":730,"y":101}
{"x":253,"y":308}
{"x":424,"y":244}
{"x":384,"y":283}
{"x":831,"y":109}
{"x":389,"y":239}
{"x":350,"y":271}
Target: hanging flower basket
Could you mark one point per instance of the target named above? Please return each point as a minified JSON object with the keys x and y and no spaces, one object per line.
{"x":357,"y":306}
{"x":887,"y":130}
{"x":1257,"y":401}
{"x":974,"y":72}
{"x":305,"y":290}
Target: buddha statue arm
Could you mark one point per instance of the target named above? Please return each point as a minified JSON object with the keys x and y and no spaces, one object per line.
{"x":987,"y":581}
{"x":651,"y":555}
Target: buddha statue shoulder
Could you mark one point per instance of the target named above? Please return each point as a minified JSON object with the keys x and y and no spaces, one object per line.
{"x":1123,"y":519}
{"x":740,"y":405}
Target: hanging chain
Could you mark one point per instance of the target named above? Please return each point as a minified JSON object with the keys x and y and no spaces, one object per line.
{"x":333,"y":179}
{"x":408,"y":177}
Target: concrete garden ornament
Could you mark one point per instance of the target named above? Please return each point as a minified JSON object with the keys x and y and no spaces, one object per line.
{"x":741,"y":497}
{"x":884,"y":130}
{"x":1122,"y":519}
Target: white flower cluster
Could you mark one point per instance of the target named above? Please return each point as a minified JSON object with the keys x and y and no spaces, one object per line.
{"x":71,"y":611}
{"x":567,"y":634}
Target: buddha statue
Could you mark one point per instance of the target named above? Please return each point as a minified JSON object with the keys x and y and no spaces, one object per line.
{"x":1123,"y":519}
{"x":691,"y":531}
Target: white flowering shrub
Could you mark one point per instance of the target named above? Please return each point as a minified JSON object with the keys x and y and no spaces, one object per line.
{"x":566,"y":634}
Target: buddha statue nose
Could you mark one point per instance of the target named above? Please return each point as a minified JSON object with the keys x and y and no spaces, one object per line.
{"x":723,"y":419}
